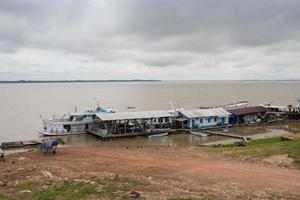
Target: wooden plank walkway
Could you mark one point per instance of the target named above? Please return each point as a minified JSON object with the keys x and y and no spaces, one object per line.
{"x":245,"y":138}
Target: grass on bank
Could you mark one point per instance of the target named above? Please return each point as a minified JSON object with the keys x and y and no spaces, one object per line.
{"x":261,"y":149}
{"x":106,"y":188}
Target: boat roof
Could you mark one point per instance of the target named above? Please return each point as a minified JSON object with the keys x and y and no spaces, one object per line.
{"x":133,"y":115}
{"x":88,"y":113}
{"x":273,"y":106}
{"x":82,"y":113}
{"x":237,"y":103}
{"x":212,"y":112}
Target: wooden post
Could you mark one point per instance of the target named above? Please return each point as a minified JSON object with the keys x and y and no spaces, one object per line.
{"x":125,"y":123}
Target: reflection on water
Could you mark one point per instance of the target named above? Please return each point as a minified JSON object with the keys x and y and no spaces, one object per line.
{"x":179,"y":139}
{"x":293,"y":127}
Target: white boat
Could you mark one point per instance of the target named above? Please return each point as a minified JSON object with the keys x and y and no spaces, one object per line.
{"x":275,"y":109}
{"x":201,"y":134}
{"x":230,"y":106}
{"x":158,"y":135}
{"x":238,"y":104}
{"x":75,"y":123}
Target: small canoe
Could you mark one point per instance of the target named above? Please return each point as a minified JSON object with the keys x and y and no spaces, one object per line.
{"x":201,"y":134}
{"x":225,"y":130}
{"x":158,"y":135}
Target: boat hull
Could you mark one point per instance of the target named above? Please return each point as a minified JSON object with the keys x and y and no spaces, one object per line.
{"x":158,"y":135}
{"x":198,"y":134}
{"x":59,"y":134}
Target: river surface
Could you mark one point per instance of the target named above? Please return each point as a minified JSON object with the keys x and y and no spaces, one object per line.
{"x":23,"y":106}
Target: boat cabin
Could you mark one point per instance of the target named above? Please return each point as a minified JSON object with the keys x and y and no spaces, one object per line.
{"x":275,"y":109}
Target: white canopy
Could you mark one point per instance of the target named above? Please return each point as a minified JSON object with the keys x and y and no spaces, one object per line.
{"x":198,"y":113}
{"x":133,"y":115}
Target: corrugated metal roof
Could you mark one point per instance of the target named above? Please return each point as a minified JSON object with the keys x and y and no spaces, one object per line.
{"x":133,"y":115}
{"x":249,"y":110}
{"x":215,"y":112}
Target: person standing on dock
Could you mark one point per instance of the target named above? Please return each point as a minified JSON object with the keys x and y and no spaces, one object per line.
{"x":2,"y":156}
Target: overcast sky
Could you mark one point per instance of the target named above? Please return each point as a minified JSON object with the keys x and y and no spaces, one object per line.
{"x":149,"y":39}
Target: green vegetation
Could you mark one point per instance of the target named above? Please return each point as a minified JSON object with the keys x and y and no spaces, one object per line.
{"x":106,"y":188}
{"x":261,"y":149}
{"x":26,"y":185}
{"x":4,"y":197}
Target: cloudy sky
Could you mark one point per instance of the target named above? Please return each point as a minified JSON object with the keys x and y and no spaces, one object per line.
{"x":149,"y":39}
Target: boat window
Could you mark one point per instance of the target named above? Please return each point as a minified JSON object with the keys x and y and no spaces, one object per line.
{"x":208,"y":120}
{"x":79,"y":118}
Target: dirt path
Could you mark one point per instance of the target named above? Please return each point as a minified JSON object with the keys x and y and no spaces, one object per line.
{"x":171,"y":172}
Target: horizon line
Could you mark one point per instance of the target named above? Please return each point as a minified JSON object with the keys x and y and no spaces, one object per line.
{"x":131,"y":80}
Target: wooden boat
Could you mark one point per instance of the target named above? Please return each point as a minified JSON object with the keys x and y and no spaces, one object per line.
{"x":6,"y":145}
{"x":158,"y":135}
{"x":130,"y":107}
{"x":225,"y":130}
{"x":197,"y":133}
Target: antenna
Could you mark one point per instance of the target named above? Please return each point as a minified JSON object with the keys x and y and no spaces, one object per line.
{"x":298,"y":102}
{"x":172,"y":105}
{"x":97,"y":102}
{"x":178,"y":104}
{"x":234,"y":100}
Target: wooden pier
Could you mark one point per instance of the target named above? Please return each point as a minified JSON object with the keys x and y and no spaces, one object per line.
{"x":244,"y":138}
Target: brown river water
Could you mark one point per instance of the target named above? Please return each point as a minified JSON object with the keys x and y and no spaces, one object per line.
{"x":23,"y":106}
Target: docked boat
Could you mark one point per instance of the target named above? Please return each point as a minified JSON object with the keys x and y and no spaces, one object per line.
{"x":75,"y":123}
{"x":238,"y":104}
{"x":197,"y":133}
{"x":275,"y":109}
{"x":230,"y":106}
{"x":158,"y":135}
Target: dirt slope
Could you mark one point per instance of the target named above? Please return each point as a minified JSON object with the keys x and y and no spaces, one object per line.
{"x":170,"y":172}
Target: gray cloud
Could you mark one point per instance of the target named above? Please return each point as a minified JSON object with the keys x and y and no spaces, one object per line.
{"x":122,"y":36}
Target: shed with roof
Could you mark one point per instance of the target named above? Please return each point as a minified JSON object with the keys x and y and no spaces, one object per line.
{"x":247,"y":114}
{"x":134,"y":121}
{"x":199,"y":118}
